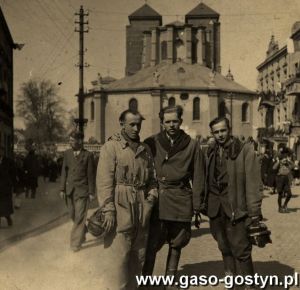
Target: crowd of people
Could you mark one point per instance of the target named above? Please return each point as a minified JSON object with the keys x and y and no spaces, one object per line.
{"x":20,"y":175}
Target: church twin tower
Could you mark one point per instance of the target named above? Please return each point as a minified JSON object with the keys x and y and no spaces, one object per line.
{"x":197,"y":40}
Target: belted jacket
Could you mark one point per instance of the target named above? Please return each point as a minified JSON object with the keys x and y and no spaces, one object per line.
{"x":124,"y":180}
{"x":180,"y":174}
{"x":244,"y":187}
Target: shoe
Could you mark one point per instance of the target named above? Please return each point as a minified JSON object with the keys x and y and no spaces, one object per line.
{"x":281,"y":210}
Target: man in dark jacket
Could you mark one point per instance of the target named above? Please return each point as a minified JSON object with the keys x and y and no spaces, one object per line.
{"x":77,"y":186}
{"x":7,"y":183}
{"x":179,"y":164}
{"x":232,"y":197}
{"x":31,"y":170}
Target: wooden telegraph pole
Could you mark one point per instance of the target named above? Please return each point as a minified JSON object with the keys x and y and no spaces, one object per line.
{"x":81,"y":121}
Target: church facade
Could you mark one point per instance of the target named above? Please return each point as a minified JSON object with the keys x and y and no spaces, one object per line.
{"x":177,"y":63}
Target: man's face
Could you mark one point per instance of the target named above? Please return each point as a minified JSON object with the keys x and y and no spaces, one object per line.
{"x":75,"y":144}
{"x":171,"y":123}
{"x":132,"y":125}
{"x":220,"y":132}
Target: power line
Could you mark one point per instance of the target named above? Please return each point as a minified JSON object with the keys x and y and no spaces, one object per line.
{"x":59,"y":52}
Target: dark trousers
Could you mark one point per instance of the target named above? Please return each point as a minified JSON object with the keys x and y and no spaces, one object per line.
{"x":283,"y":189}
{"x":233,"y":242}
{"x":177,"y":234}
{"x":77,"y":207}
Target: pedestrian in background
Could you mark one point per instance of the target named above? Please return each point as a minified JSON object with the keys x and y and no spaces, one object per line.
{"x":77,"y":186}
{"x":7,"y":183}
{"x":31,"y":170}
{"x":284,"y":167}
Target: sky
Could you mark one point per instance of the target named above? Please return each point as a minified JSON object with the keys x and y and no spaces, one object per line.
{"x":46,"y":27}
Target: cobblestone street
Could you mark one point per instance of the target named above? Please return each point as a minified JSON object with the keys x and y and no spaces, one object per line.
{"x":44,"y":261}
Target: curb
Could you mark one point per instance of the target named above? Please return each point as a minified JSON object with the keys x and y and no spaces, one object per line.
{"x":29,"y":233}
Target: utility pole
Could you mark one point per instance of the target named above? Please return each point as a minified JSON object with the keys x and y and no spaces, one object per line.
{"x":81,"y":121}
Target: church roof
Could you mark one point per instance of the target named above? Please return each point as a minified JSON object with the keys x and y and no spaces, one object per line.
{"x":176,"y":76}
{"x":202,"y":10}
{"x":144,"y":12}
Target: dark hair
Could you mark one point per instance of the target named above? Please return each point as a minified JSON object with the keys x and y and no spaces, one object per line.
{"x":77,"y":135}
{"x":123,"y":115}
{"x":219,"y":120}
{"x":171,"y":109}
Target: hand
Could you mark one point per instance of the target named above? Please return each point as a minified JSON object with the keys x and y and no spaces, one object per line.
{"x":62,"y":194}
{"x":109,"y":221}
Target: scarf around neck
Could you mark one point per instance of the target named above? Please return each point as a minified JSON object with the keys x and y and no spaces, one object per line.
{"x":180,"y":143}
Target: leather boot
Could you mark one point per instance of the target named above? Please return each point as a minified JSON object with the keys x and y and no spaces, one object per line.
{"x":172,"y":265}
{"x":246,"y":268}
{"x":229,"y":265}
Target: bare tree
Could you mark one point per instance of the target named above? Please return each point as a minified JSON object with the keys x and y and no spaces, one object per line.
{"x":41,"y":108}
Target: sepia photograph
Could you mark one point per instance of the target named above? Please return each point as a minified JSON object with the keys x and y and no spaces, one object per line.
{"x":149,"y":144}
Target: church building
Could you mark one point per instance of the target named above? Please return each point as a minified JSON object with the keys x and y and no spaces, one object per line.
{"x":176,"y":63}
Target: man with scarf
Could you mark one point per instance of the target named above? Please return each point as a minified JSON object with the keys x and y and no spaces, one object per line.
{"x":179,"y":165}
{"x":233,"y":196}
{"x":127,"y":190}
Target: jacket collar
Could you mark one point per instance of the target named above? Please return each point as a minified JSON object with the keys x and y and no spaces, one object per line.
{"x":124,"y":143}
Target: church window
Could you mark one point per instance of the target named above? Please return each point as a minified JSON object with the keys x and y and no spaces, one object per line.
{"x":92,"y":111}
{"x":222,"y":109}
{"x":196,"y":108}
{"x":164,"y":50}
{"x":172,"y":101}
{"x":245,"y":112}
{"x":133,"y":104}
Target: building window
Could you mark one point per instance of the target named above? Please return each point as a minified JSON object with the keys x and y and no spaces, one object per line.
{"x":164,"y":50}
{"x":133,"y":104}
{"x":172,"y":101}
{"x":92,"y":111}
{"x":196,"y":108}
{"x":269,"y":120}
{"x":245,"y":112}
{"x":222,"y":109}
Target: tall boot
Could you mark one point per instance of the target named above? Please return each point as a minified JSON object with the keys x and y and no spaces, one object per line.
{"x":172,"y":265}
{"x":287,"y":199}
{"x":246,"y":269}
{"x":229,"y":265}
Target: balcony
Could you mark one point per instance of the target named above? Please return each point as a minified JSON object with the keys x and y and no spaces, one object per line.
{"x":293,"y":83}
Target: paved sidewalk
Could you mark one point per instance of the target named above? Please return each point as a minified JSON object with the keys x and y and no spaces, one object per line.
{"x":35,"y":215}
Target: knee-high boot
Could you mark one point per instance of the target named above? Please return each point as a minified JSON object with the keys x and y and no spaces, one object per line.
{"x":172,"y":264}
{"x":229,"y":265}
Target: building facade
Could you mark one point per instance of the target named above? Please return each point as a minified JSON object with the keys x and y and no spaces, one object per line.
{"x":176,"y":63}
{"x":279,"y":90}
{"x":6,"y":86}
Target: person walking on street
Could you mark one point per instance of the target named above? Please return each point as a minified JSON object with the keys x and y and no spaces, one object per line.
{"x":77,"y":186}
{"x":31,"y":170}
{"x":127,"y":190}
{"x":179,"y":164}
{"x":7,"y":184}
{"x":233,"y":197}
{"x":283,"y":166}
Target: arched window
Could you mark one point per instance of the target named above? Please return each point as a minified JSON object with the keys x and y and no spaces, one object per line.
{"x":172,"y":101}
{"x":196,"y":108}
{"x":164,"y":50}
{"x":245,"y":112}
{"x":92,"y":110}
{"x":222,"y":109}
{"x":133,"y":104}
